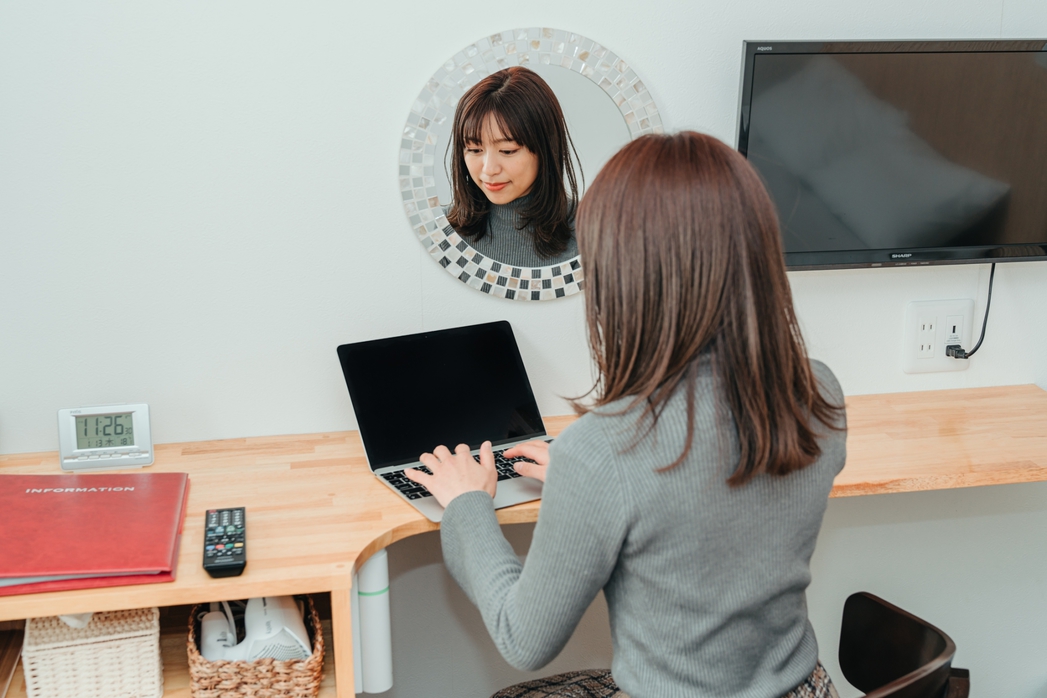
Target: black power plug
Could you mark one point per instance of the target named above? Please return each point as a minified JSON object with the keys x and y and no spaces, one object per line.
{"x":955,"y":351}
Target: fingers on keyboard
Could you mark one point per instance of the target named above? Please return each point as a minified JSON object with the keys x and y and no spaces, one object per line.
{"x":412,"y":490}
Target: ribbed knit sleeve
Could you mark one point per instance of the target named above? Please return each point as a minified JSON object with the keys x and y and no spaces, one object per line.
{"x":531,"y":610}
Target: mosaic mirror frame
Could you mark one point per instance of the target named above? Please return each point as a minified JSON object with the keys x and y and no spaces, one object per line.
{"x":420,"y":153}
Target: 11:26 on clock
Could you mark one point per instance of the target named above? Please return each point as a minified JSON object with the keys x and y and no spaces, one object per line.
{"x":99,"y":431}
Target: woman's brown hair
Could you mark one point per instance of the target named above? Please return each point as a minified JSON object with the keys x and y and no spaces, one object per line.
{"x":682,"y":256}
{"x":526,"y":111}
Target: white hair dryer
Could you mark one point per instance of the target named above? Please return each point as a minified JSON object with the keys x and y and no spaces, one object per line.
{"x":273,"y":628}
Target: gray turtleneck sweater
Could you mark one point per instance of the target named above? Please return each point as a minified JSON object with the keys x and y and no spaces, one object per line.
{"x":705,"y":583}
{"x":507,"y":243}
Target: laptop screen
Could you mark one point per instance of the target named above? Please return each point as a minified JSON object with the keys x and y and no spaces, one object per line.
{"x":416,"y":392}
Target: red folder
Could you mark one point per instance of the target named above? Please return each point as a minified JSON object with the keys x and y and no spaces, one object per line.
{"x":92,"y":530}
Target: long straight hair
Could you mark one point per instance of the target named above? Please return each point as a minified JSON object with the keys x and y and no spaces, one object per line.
{"x":682,"y":255}
{"x":526,"y":111}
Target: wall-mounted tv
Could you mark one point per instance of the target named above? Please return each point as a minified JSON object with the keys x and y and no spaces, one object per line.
{"x":883,"y":154}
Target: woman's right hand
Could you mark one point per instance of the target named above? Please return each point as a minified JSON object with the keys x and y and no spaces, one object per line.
{"x":538,"y":451}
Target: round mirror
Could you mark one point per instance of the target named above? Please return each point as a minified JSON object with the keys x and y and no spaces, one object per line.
{"x":604,"y":105}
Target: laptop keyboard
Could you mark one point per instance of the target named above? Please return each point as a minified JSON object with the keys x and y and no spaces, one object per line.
{"x":412,"y":490}
{"x":409,"y":489}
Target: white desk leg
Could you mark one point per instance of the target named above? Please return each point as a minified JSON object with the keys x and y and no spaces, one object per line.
{"x":358,"y":664}
{"x":376,"y":647}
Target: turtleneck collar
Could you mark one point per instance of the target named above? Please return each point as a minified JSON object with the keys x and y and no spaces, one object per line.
{"x":517,"y":202}
{"x":506,"y":216}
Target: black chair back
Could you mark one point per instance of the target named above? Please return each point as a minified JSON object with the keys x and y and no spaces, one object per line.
{"x":889,"y":653}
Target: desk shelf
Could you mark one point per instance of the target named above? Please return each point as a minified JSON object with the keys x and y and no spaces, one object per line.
{"x":176,"y":667}
{"x":315,"y":512}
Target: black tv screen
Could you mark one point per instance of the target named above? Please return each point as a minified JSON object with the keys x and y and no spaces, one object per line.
{"x":900,"y":153}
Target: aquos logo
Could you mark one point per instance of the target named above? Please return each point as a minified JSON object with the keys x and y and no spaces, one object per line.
{"x":901,"y":255}
{"x":764,"y":48}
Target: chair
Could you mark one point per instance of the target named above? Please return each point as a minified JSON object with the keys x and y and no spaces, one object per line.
{"x":888,"y":653}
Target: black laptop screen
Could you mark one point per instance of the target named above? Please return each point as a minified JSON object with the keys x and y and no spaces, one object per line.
{"x":416,"y":392}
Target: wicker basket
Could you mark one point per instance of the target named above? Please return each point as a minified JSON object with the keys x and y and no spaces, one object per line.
{"x":261,"y":678}
{"x":116,"y":656}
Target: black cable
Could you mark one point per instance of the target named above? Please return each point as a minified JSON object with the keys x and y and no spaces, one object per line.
{"x":955,"y":350}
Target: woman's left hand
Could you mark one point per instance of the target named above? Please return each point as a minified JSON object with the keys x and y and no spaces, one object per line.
{"x":456,"y":473}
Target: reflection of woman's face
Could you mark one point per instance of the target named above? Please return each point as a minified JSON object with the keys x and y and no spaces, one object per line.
{"x":502,"y":168}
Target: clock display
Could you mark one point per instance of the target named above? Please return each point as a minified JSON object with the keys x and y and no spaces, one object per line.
{"x":105,"y":431}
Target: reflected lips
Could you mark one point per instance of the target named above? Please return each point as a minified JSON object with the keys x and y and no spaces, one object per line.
{"x":495,"y":186}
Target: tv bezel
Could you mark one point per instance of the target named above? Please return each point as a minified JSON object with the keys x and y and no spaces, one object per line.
{"x":896,"y":257}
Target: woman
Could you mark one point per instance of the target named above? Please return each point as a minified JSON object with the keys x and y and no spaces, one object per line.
{"x":512,"y":179}
{"x":692,"y":490}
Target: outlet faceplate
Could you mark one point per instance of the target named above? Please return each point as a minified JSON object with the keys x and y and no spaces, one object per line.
{"x":930,"y":326}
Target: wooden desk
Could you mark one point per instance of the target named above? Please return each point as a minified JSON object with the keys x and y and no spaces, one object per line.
{"x":315,"y":511}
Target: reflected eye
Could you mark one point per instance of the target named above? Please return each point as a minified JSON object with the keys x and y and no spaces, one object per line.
{"x":473,"y":150}
{"x":511,"y":152}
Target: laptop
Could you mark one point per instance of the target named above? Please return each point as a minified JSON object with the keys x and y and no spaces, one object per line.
{"x":448,"y":387}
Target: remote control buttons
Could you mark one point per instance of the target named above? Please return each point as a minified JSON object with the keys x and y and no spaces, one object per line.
{"x":225,"y":551}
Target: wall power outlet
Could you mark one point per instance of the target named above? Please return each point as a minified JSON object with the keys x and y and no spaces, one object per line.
{"x":930,"y":326}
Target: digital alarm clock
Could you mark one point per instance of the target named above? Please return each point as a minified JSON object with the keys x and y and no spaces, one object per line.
{"x":104,"y":436}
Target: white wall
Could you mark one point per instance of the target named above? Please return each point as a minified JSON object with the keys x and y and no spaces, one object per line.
{"x":198,"y":203}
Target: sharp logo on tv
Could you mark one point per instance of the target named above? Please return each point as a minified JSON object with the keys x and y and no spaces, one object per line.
{"x":901,"y":255}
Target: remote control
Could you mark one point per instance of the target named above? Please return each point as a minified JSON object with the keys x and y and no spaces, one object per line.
{"x":225,"y":544}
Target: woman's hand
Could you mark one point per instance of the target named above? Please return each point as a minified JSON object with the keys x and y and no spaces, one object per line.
{"x":538,"y":451}
{"x":456,"y":473}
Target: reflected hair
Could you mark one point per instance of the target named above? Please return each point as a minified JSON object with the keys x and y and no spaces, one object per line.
{"x":526,"y":110}
{"x":683,"y":260}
